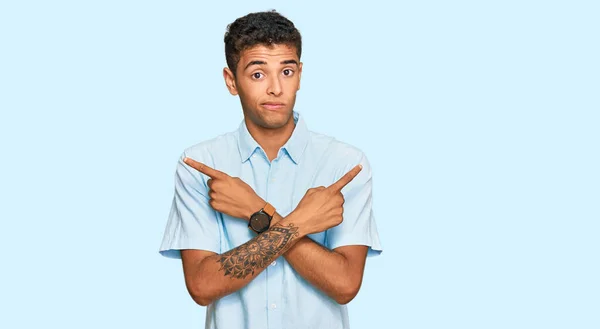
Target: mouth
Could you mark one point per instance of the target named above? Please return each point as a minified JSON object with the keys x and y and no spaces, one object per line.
{"x":273,"y":105}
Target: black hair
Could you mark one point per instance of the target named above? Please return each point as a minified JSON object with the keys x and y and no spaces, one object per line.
{"x":261,"y":28}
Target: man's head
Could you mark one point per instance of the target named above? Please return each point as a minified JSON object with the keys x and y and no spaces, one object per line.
{"x":262,"y":28}
{"x":263,"y":58}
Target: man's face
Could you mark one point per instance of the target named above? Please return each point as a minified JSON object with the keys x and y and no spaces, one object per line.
{"x":267,"y":79}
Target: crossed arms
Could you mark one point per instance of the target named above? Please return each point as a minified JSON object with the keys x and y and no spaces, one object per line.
{"x":338,"y":272}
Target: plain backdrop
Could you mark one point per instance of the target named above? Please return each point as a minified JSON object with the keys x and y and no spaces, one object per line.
{"x":480,"y":119}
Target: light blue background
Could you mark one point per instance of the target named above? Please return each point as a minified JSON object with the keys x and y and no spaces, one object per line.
{"x":480,"y":119}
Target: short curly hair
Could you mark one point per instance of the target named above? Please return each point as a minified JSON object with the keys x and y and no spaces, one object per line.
{"x":261,"y":28}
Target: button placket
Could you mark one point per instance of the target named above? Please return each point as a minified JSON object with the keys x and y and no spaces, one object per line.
{"x":273,"y":272}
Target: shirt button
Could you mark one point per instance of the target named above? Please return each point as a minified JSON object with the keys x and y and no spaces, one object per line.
{"x":273,"y":263}
{"x":273,"y":306}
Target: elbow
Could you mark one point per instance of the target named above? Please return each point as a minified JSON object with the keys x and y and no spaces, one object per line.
{"x":345,"y":298}
{"x":200,"y":296}
{"x":347,"y":292}
{"x":201,"y":300}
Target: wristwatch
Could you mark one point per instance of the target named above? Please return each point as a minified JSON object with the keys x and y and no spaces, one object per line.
{"x":261,"y":220}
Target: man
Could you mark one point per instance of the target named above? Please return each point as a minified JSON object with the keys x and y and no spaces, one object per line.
{"x":273,"y":222}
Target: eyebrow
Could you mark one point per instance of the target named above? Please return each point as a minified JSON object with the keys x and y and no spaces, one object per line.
{"x":287,"y":61}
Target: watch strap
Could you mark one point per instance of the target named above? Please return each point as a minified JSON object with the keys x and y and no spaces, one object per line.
{"x":269,"y":209}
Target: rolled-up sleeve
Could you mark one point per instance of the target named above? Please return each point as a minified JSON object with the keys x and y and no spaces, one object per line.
{"x":192,"y":223}
{"x":358,"y":226}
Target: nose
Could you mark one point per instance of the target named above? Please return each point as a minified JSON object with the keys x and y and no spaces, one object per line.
{"x":274,"y":87}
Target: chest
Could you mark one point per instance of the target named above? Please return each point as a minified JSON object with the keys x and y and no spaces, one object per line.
{"x":280,"y":182}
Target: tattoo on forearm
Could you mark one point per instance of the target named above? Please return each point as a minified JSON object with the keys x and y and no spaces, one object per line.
{"x":258,"y":252}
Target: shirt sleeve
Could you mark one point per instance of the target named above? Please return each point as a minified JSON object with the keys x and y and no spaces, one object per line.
{"x":192,"y":223}
{"x":358,"y":226}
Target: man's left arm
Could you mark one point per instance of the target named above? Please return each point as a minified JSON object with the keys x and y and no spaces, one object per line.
{"x":337,"y":267}
{"x":338,"y":272}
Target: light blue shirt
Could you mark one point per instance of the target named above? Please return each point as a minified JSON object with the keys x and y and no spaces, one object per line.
{"x":278,"y":298}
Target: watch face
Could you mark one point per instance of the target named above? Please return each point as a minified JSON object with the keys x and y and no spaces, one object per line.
{"x":260,"y":221}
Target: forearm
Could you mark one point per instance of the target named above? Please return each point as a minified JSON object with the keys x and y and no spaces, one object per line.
{"x":220,"y":275}
{"x":325,"y":269}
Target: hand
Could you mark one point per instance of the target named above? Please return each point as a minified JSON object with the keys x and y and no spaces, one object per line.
{"x":322,"y":208}
{"x":228,"y":195}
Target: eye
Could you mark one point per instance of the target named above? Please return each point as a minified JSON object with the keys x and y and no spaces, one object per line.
{"x":257,"y":75}
{"x":288,"y":72}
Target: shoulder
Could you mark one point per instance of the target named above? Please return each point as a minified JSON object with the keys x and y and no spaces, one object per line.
{"x":218,"y":146}
{"x":332,"y":147}
{"x":336,"y":154}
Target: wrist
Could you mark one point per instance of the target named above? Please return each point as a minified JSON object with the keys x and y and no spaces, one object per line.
{"x":276,"y":219}
{"x":262,"y":219}
{"x":293,"y":219}
{"x":255,"y":205}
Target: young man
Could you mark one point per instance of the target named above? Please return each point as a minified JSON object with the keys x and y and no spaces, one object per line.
{"x":273,"y":222}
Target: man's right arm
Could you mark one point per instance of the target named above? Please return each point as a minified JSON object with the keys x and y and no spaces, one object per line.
{"x":210,"y":276}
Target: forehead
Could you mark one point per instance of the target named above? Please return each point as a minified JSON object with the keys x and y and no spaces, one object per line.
{"x":268,"y":53}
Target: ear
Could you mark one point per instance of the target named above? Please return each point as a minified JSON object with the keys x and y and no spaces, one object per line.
{"x":230,"y":81}
{"x":299,"y":74}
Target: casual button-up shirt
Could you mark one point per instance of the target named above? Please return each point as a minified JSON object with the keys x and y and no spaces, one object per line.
{"x":278,"y":298}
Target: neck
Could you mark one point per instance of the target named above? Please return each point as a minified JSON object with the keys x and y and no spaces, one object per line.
{"x":271,"y":140}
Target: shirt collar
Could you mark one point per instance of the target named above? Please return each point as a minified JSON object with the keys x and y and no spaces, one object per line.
{"x":294,"y":146}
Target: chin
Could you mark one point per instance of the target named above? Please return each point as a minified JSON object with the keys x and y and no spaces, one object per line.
{"x":277,"y":121}
{"x":274,"y":124}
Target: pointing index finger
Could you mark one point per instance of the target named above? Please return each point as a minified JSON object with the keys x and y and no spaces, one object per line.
{"x":347,"y":178}
{"x":201,"y":167}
